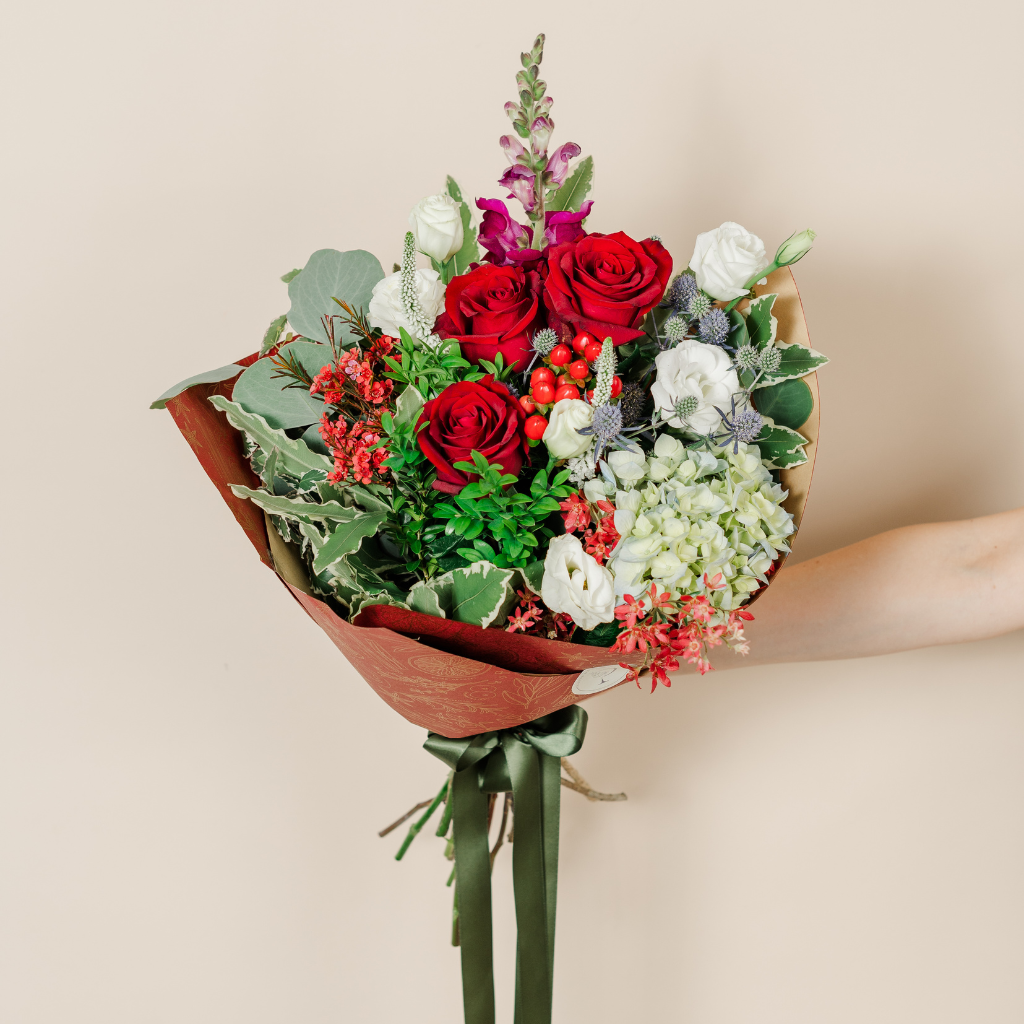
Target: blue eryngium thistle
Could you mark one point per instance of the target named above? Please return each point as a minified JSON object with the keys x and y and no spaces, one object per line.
{"x":747,"y":357}
{"x":714,"y":328}
{"x":771,"y":360}
{"x":544,"y":341}
{"x":740,"y":427}
{"x":698,"y":306}
{"x":607,"y":423}
{"x":676,"y":328}
{"x":686,"y":406}
{"x":682,"y":292}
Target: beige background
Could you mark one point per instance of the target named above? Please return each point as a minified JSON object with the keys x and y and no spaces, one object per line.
{"x":192,"y":778}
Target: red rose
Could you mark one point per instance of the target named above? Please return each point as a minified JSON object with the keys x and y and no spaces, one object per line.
{"x":491,"y":310}
{"x":605,"y":284}
{"x":466,"y":416}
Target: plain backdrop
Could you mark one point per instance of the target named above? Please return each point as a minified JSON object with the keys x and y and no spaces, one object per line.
{"x":192,"y":777}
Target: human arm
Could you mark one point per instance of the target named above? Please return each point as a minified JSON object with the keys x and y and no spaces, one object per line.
{"x":935,"y":583}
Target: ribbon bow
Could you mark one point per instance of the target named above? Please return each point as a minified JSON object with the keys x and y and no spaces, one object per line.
{"x":524,"y":760}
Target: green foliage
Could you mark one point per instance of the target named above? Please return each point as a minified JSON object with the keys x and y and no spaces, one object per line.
{"x":788,"y":403}
{"x":504,"y":526}
{"x":273,"y":333}
{"x":470,"y":251}
{"x":293,"y":456}
{"x":297,"y":509}
{"x":328,"y":275}
{"x":210,"y":377}
{"x":738,"y":333}
{"x":429,"y":370}
{"x":571,"y":195}
{"x":498,"y":368}
{"x":291,"y":275}
{"x":602,"y":635}
{"x":761,"y":325}
{"x":797,"y":361}
{"x":480,"y":594}
{"x":346,"y":538}
{"x":262,"y":390}
{"x":781,"y":447}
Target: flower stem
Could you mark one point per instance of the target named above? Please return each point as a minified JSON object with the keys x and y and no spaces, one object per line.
{"x":770,"y":269}
{"x":414,"y":829}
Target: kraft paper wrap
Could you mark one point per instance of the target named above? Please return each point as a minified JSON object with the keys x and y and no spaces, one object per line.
{"x":449,"y":677}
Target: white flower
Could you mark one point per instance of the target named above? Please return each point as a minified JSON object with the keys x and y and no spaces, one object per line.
{"x":576,"y":584}
{"x":561,"y":436}
{"x":386,"y":309}
{"x":436,"y":223}
{"x":725,"y":259}
{"x":703,"y":371}
{"x":630,"y":467}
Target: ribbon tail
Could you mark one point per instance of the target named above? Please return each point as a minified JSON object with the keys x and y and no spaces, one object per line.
{"x":529,"y":870}
{"x":473,"y":882}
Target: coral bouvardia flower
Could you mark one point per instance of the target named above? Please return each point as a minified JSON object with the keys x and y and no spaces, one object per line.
{"x":472,"y":416}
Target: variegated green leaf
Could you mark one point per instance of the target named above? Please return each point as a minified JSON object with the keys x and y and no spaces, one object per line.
{"x":293,"y":456}
{"x":797,"y":361}
{"x":781,"y":447}
{"x":761,"y":325}
{"x":346,"y":538}
{"x":295,"y":508}
{"x":571,"y":195}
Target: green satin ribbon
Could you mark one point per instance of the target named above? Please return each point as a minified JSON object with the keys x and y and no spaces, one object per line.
{"x":524,"y":760}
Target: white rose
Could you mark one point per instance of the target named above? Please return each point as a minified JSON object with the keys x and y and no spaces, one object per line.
{"x":561,"y":436}
{"x":576,"y":584}
{"x":725,"y":259}
{"x":386,"y":309}
{"x":703,"y":371}
{"x":436,"y":224}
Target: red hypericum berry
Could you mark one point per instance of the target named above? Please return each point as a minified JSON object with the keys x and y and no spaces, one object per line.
{"x":566,"y":391}
{"x":590,"y":396}
{"x":581,"y":341}
{"x":560,"y":355}
{"x":592,"y":351}
{"x":543,"y":394}
{"x":527,"y":403}
{"x":542,"y":375}
{"x":616,"y":387}
{"x":579,"y":369}
{"x":562,"y":380}
{"x":535,"y":427}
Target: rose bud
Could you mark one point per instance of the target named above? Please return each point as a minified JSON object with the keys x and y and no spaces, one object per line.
{"x":436,"y":224}
{"x":794,"y":248}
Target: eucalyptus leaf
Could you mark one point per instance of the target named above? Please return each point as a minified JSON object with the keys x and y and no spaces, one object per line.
{"x":294,"y":456}
{"x":273,"y":333}
{"x":470,"y":251}
{"x":788,"y":403}
{"x":210,"y":377}
{"x":571,"y":195}
{"x":329,"y":274}
{"x":262,"y":390}
{"x":312,"y":439}
{"x":291,"y":275}
{"x":346,"y":538}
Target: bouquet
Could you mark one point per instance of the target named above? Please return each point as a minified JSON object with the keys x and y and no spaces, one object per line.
{"x":547,"y":463}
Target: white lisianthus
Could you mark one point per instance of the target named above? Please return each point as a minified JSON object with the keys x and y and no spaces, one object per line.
{"x":725,"y":259}
{"x":387,"y":311}
{"x":567,"y":418}
{"x":436,"y":224}
{"x":695,"y":369}
{"x":576,"y":584}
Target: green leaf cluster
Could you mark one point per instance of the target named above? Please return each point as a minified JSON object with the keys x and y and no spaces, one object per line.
{"x":781,"y":447}
{"x":426,"y":368}
{"x":505,"y":526}
{"x":470,"y":251}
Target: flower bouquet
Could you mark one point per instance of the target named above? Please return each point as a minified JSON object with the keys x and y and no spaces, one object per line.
{"x":538,"y":468}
